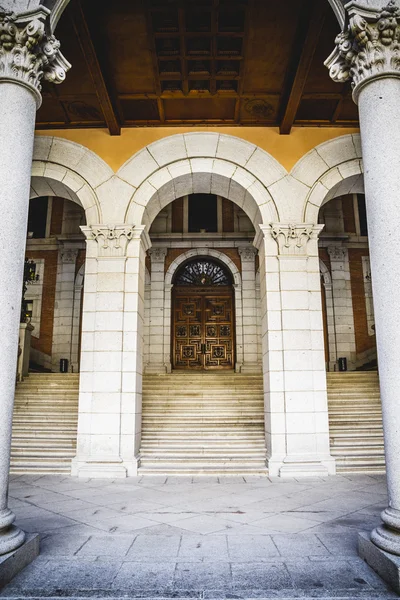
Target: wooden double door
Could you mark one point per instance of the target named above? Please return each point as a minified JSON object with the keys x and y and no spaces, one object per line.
{"x":203,"y":329}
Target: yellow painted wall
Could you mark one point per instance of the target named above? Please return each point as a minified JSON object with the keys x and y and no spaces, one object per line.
{"x":115,"y":150}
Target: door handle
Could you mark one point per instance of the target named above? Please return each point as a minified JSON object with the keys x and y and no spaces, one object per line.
{"x":203,"y":348}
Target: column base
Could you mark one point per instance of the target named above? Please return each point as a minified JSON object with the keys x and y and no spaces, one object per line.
{"x":301,"y":468}
{"x":13,"y":562}
{"x":156,"y":369}
{"x":104,"y":468}
{"x":98,"y":468}
{"x":386,"y":565}
{"x":251,"y":368}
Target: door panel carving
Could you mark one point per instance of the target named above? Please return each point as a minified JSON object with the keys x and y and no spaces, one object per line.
{"x":203,"y":330}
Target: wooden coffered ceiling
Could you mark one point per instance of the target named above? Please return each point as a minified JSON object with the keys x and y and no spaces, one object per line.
{"x":179,"y":62}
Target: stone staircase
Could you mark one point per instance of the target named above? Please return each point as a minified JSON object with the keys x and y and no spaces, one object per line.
{"x":355,"y":422}
{"x":195,"y":423}
{"x":45,"y":423}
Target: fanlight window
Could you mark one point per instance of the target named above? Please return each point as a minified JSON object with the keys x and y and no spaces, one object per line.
{"x":203,"y":271}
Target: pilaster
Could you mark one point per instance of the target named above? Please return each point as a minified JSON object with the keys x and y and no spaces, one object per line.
{"x":249,"y":310}
{"x":109,"y":424}
{"x":64,"y":305}
{"x":342,"y":303}
{"x":156,"y":362}
{"x":293,"y":352}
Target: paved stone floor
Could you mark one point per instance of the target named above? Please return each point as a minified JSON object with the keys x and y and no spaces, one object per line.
{"x":205,"y":537}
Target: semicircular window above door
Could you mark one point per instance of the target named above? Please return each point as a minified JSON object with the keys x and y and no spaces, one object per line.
{"x":203,"y":271}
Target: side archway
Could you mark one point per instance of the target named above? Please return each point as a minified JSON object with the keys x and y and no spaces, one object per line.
{"x":331,"y":169}
{"x":69,"y":170}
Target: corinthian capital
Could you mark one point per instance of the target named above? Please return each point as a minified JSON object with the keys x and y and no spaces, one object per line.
{"x":28,"y":51}
{"x":368,"y":47}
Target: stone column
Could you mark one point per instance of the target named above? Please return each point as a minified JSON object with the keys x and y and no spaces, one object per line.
{"x":367,"y":52}
{"x":249,"y":308}
{"x":342,"y":304}
{"x":296,"y":407}
{"x":110,"y":394}
{"x":156,"y":323}
{"x":27,"y":55}
{"x":64,"y":306}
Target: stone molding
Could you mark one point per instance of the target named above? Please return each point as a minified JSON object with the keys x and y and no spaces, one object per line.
{"x":112,"y":241}
{"x":293,"y":239}
{"x":368,"y":47}
{"x":337,"y":253}
{"x":28,"y":52}
{"x":158,"y":254}
{"x":247,"y":253}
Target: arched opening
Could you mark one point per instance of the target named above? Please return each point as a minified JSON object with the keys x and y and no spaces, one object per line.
{"x":203,"y":316}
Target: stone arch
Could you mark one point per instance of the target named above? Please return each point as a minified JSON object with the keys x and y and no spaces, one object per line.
{"x":201,"y":163}
{"x":338,"y":9}
{"x":69,"y":170}
{"x":237,"y":278}
{"x":329,"y":170}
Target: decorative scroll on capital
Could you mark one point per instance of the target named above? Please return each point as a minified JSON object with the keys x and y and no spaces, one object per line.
{"x":294,"y":239}
{"x":158,"y":254}
{"x":337,"y":253}
{"x":369,"y":46}
{"x":247,"y":253}
{"x":112,"y":241}
{"x":69,"y":255}
{"x":29,"y":52}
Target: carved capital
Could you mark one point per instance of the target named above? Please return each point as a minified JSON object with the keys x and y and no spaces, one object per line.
{"x":29,"y":52}
{"x":247,"y":253}
{"x":158,"y":254}
{"x":293,"y":239}
{"x":368,"y":47}
{"x":337,"y":253}
{"x":69,"y":256}
{"x":112,"y":241}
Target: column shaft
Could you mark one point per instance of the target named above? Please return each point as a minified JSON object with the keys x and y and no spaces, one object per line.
{"x":17,"y":122}
{"x":380,"y":128}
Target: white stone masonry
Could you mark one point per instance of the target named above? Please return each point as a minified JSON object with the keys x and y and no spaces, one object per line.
{"x":296,"y":409}
{"x":109,"y":425}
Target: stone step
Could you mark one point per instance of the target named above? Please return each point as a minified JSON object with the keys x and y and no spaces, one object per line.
{"x":355,"y":422}
{"x":45,"y":424}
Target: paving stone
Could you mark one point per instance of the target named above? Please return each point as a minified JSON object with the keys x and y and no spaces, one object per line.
{"x":149,"y":577}
{"x":61,"y":545}
{"x":260,"y":576}
{"x":106,"y":545}
{"x":197,"y":577}
{"x":332,"y":575}
{"x":299,"y":545}
{"x":203,"y":549}
{"x":160,"y":548}
{"x":254,"y":548}
{"x":44,"y":578}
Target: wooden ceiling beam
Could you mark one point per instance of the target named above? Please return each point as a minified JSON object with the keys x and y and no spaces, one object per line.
{"x":304,"y":51}
{"x":85,"y":41}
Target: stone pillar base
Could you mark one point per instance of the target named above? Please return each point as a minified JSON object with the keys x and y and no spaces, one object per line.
{"x":251,"y":368}
{"x":103,"y":468}
{"x":13,"y":562}
{"x":386,"y":565}
{"x":305,"y":468}
{"x":157,"y":369}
